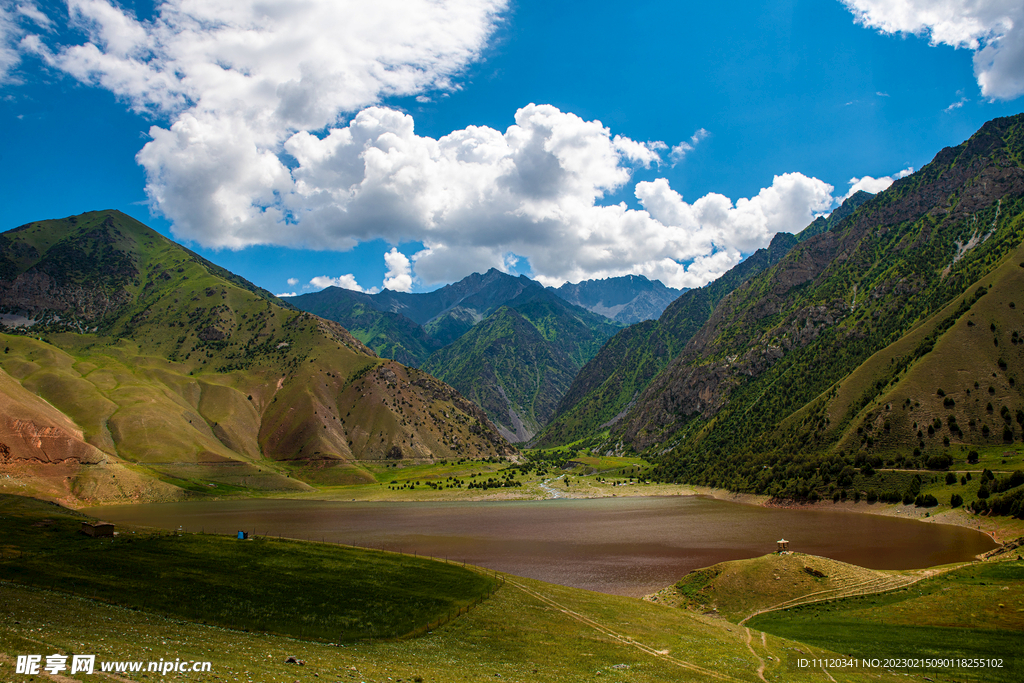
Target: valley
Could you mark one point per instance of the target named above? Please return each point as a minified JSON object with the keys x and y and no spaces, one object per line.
{"x":558,"y":440}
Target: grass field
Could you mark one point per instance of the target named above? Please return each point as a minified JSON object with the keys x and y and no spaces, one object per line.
{"x":306,"y":590}
{"x":741,"y":588}
{"x":976,"y":611}
{"x":527,"y":631}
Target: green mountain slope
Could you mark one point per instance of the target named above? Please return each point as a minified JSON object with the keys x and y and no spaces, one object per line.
{"x":825,"y":223}
{"x":408,"y":327}
{"x":170,"y":372}
{"x":606,"y":386}
{"x":725,"y":410}
{"x":520,"y":360}
{"x":390,"y":335}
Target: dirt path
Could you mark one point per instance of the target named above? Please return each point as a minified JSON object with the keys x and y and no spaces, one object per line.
{"x":760,"y":662}
{"x":626,"y":640}
{"x":867,"y":587}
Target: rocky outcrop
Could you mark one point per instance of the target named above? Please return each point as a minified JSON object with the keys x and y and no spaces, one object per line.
{"x":39,"y":296}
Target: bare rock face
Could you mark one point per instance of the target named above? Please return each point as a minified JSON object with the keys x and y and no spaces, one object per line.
{"x":40,"y":296}
{"x":29,"y":441}
{"x":33,"y":431}
{"x":76,"y":280}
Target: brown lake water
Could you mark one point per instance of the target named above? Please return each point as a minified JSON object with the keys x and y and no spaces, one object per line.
{"x":624,"y":546}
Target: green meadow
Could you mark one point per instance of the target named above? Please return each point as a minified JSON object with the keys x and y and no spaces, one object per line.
{"x":305,"y":590}
{"x":246,"y":606}
{"x":975,"y":611}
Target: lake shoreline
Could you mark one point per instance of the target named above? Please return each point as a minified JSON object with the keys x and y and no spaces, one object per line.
{"x":999,"y":529}
{"x":623,"y":545}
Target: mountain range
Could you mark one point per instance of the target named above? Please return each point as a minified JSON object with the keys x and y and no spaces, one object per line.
{"x":891,"y":336}
{"x":607,"y":386}
{"x":887,"y":333}
{"x":508,"y":343}
{"x":135,"y":370}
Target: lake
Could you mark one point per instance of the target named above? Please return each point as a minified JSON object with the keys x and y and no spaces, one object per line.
{"x":623,"y":546}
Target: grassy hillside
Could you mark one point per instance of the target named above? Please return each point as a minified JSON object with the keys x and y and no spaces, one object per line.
{"x":390,"y":335}
{"x":518,"y":363}
{"x":741,"y":589}
{"x":237,"y":584}
{"x":526,"y":631}
{"x":171,"y":371}
{"x":408,"y":327}
{"x":975,"y":612}
{"x":608,"y":384}
{"x":746,"y":405}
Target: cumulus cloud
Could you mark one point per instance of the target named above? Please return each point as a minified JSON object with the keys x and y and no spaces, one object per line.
{"x":285,"y":294}
{"x":992,"y":29}
{"x":398,"y":277}
{"x":292,"y":281}
{"x":347,"y":281}
{"x":258,"y":149}
{"x":875,"y":185}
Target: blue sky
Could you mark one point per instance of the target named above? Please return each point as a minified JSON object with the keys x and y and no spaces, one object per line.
{"x":335,"y":142}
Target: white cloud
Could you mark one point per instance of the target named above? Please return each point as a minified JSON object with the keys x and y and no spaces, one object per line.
{"x":277,"y":64}
{"x":10,"y":37}
{"x":992,"y":29}
{"x":292,"y":281}
{"x":285,"y":294}
{"x":683,"y":148}
{"x":257,"y":151}
{"x":956,"y":105}
{"x":875,"y":185}
{"x":347,"y":281}
{"x":398,"y":278}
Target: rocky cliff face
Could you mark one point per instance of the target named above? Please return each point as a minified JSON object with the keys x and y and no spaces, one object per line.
{"x":628,"y":299}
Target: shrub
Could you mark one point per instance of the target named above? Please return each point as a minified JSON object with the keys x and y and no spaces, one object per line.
{"x":925,"y":500}
{"x":950,"y":478}
{"x":972,"y":457}
{"x":956,"y":500}
{"x":939,"y":461}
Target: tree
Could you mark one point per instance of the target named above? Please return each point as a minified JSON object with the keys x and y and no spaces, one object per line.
{"x":972,"y":457}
